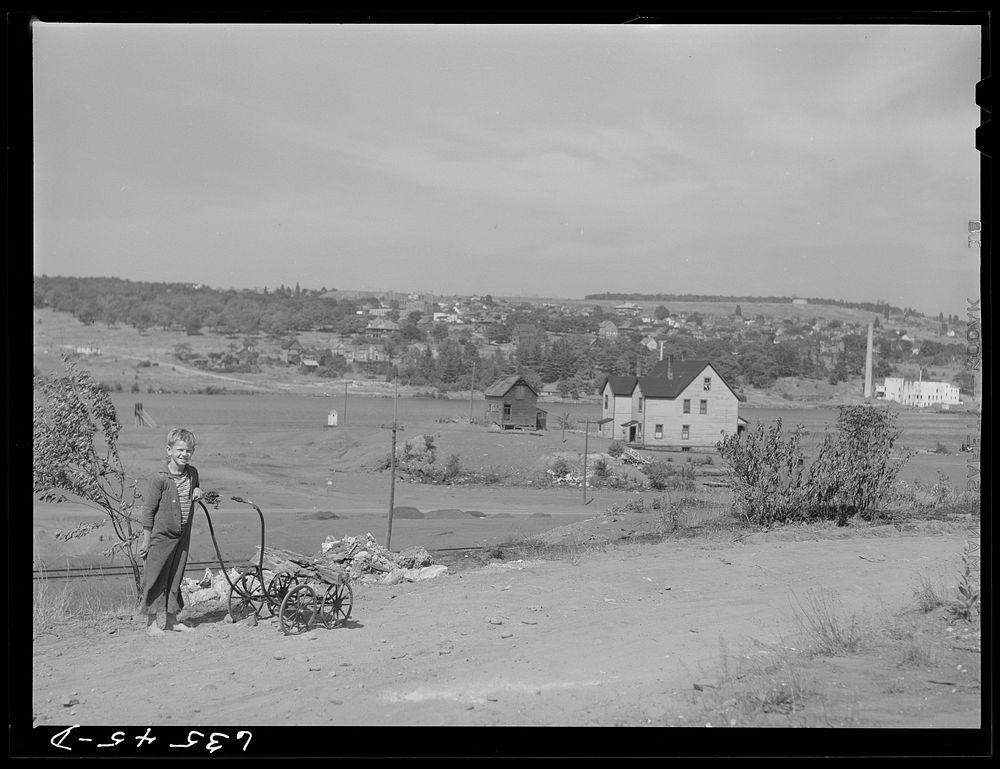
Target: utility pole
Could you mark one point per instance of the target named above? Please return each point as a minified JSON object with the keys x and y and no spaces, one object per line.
{"x":472,"y":389}
{"x":586,"y":438}
{"x":392,"y":468}
{"x":345,"y":402}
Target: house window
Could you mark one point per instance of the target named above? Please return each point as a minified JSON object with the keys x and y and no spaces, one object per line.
{"x":685,"y":432}
{"x":519,"y":392}
{"x":658,"y":432}
{"x":703,"y":407}
{"x":506,"y":411}
{"x":640,"y":403}
{"x":708,"y":383}
{"x":605,"y":401}
{"x":687,"y":405}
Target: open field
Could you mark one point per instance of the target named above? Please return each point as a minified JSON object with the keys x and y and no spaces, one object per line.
{"x":313,"y":482}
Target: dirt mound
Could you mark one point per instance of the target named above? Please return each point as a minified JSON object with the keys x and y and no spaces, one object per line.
{"x":405,"y":511}
{"x":453,"y":512}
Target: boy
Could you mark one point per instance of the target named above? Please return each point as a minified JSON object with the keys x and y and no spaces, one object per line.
{"x":167,"y":510}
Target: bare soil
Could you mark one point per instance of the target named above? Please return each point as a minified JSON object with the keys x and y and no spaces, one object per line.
{"x":709,"y":630}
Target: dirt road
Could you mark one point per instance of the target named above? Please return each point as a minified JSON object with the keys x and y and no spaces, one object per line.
{"x":618,"y":636}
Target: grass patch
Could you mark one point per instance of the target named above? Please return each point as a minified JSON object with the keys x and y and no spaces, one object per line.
{"x":830,"y":632}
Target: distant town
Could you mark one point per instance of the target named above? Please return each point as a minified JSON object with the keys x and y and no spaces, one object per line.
{"x":567,"y":348}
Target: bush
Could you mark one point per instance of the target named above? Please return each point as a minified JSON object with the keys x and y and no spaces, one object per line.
{"x":616,"y":449}
{"x":854,"y":471}
{"x":559,"y":467}
{"x":453,"y":467}
{"x":855,"y":468}
{"x":662,"y":476}
{"x":767,"y":473}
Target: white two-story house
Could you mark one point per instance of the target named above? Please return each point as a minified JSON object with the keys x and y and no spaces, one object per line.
{"x":680,"y":404}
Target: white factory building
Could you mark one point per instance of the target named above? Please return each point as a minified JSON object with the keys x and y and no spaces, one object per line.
{"x":917,"y":392}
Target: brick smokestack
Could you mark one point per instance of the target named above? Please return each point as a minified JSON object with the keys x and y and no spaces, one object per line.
{"x":670,"y":367}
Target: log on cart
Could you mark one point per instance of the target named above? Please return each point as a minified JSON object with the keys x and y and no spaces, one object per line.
{"x":304,"y":567}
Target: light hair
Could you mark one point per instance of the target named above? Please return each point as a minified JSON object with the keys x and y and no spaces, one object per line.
{"x":181,"y":434}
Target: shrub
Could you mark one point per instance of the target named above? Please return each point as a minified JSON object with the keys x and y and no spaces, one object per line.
{"x":854,"y":472}
{"x":855,"y":468}
{"x":616,"y":449}
{"x":75,"y":431}
{"x":559,"y":467}
{"x":453,"y":467}
{"x":601,"y":469}
{"x":767,"y":473}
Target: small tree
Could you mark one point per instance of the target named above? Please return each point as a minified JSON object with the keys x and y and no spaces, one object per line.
{"x":856,"y":467}
{"x":75,"y":431}
{"x":767,"y":473}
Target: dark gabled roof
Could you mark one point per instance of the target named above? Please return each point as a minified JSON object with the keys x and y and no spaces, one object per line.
{"x":657,"y":385}
{"x":503,"y":386}
{"x":620,"y":385}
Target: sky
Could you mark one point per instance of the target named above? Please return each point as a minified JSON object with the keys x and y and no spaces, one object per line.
{"x":833,"y":161}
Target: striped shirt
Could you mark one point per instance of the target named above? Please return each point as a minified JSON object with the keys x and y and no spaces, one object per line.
{"x":183,"y":482}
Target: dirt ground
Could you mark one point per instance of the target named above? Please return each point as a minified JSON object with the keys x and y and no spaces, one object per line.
{"x":709,"y":630}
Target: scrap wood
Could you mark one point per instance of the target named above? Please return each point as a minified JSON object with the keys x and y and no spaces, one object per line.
{"x":278,"y":560}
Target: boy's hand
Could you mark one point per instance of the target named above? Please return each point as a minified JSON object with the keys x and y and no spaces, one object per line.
{"x":144,"y":546}
{"x":197,"y":494}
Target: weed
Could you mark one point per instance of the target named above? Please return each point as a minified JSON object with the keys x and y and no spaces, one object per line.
{"x":821,"y":619}
{"x":926,"y":596}
{"x":50,"y":606}
{"x":916,"y":652}
{"x":968,"y":592}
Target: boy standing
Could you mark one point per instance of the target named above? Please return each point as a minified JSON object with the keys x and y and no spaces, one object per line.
{"x":167,"y":511}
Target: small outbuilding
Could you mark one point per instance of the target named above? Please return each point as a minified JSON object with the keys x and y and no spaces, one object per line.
{"x":512,"y":404}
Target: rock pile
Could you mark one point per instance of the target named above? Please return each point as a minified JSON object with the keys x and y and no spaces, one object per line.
{"x":366,"y":560}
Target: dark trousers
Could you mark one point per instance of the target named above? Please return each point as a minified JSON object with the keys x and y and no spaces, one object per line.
{"x":163,"y":571}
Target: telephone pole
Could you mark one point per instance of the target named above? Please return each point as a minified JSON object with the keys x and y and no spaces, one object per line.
{"x":472,"y":390}
{"x":392,"y":467}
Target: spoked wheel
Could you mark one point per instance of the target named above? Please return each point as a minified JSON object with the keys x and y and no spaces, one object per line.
{"x":246,"y":597}
{"x":278,"y":588}
{"x":336,"y":606}
{"x":298,"y":610}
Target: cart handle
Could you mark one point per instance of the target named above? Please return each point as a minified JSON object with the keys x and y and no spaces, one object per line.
{"x":213,"y":498}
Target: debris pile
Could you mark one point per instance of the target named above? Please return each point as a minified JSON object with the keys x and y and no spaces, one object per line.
{"x":368,"y":561}
{"x":210,"y":588}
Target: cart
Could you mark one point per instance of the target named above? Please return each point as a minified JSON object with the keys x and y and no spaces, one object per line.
{"x":302,"y":592}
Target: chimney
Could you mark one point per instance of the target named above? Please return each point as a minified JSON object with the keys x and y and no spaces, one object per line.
{"x":868,"y":364}
{"x":661,"y":350}
{"x":670,"y":367}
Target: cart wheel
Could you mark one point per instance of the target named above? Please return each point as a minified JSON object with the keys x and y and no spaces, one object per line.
{"x":277,"y":588}
{"x":336,"y":606}
{"x":246,"y":597}
{"x":298,"y":610}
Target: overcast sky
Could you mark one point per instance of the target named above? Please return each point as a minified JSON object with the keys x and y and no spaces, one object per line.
{"x":824,"y":161}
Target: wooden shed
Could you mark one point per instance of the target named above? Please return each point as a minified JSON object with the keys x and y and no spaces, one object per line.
{"x":512,"y":403}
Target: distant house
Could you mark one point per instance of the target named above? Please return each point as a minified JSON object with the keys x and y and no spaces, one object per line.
{"x":680,"y":404}
{"x":291,"y":351}
{"x":607,"y":330}
{"x":800,"y":301}
{"x":378,"y":328}
{"x":512,"y":403}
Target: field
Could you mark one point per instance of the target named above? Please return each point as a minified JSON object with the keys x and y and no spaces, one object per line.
{"x":597,"y":613}
{"x":312,"y":481}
